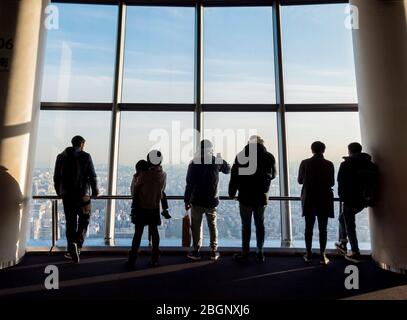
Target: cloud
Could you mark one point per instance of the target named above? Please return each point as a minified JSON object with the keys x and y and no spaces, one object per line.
{"x":302,"y":93}
{"x":76,"y":45}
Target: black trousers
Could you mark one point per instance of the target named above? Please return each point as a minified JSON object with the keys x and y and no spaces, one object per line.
{"x":77,"y":217}
{"x":309,"y":228}
{"x":155,"y":238}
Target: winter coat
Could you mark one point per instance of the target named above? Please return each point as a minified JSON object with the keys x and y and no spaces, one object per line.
{"x":148,"y":187}
{"x":202,"y":180}
{"x":253,"y":187}
{"x":87,"y":174}
{"x":317,"y":176}
{"x":349,"y":189}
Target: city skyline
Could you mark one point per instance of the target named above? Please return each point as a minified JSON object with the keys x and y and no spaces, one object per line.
{"x":170,"y":231}
{"x":159,"y":67}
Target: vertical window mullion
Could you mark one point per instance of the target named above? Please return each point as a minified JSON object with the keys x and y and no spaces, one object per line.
{"x":198,"y":73}
{"x":115,"y":125}
{"x":286,"y":227}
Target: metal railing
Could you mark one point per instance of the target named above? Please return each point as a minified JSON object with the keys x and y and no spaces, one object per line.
{"x":54,"y":207}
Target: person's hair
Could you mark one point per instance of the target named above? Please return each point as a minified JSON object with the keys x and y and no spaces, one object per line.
{"x":318,"y":147}
{"x":355,"y":147}
{"x":142,"y":165}
{"x":206,"y":144}
{"x":154,"y":157}
{"x":77,"y":141}
{"x":256,"y":139}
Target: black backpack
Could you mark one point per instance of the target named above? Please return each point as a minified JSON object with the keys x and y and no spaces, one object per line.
{"x":71,"y":173}
{"x":368,"y":180}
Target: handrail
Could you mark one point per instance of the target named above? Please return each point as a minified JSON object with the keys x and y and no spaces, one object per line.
{"x":129,"y":197}
{"x":54,"y":215}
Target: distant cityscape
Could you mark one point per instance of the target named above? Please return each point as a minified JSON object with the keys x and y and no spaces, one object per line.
{"x":229,"y":225}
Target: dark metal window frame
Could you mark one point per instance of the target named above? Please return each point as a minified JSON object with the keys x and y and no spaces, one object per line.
{"x":199,"y":107}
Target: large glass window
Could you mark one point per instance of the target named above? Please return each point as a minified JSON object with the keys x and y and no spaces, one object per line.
{"x":159,"y":55}
{"x":159,"y":68}
{"x":230,"y":226}
{"x":230,"y":132}
{"x":336,"y":130}
{"x":238,"y":55}
{"x":318,"y":55}
{"x":80,"y":54}
{"x":169,"y":132}
{"x":56,"y":128}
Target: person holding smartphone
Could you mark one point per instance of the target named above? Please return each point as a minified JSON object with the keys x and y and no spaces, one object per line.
{"x":201,"y":196}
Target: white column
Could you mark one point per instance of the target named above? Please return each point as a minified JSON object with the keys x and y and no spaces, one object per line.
{"x":380,"y":46}
{"x":21,"y":55}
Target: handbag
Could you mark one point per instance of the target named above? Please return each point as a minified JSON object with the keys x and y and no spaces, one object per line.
{"x":186,"y":230}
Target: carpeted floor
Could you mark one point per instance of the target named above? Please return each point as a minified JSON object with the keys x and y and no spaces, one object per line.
{"x":177,"y":279}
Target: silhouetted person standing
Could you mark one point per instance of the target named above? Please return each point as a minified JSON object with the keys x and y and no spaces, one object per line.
{"x":252,"y":172}
{"x":75,"y":180}
{"x":317,"y":176}
{"x":201,"y":195}
{"x":357,"y":179}
{"x":147,"y":191}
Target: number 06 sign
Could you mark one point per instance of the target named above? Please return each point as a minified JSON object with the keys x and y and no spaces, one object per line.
{"x":6,"y":46}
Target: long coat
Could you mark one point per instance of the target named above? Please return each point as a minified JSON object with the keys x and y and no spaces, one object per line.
{"x":253,"y":188}
{"x":317,"y":176}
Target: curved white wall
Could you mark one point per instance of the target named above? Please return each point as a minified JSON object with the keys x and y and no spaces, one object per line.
{"x":20,"y":85}
{"x":380,"y":46}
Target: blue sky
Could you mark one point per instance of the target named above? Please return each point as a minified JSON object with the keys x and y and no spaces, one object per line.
{"x":159,"y":67}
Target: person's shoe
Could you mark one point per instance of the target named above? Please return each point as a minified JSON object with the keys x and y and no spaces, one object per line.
{"x":260,"y":257}
{"x":131,"y":260}
{"x":353,"y":257}
{"x":130,"y":264}
{"x":215,"y":255}
{"x":194,"y":255}
{"x":155,"y":257}
{"x":153,"y":263}
{"x":241,"y":257}
{"x":323,"y":260}
{"x":166,"y":214}
{"x":307,"y":257}
{"x":341,"y":247}
{"x":74,"y":252}
{"x":68,"y":255}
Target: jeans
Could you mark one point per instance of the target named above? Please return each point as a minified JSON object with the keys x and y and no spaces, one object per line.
{"x":347,"y":227}
{"x":197,"y":213}
{"x":246,"y":213}
{"x":77,"y":216}
{"x":138,"y":234}
{"x":309,"y":228}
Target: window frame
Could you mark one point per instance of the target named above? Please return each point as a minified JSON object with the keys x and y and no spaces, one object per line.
{"x":197,"y":108}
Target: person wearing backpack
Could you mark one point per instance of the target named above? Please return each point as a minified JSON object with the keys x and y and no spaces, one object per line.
{"x":75,"y":181}
{"x":357,"y":181}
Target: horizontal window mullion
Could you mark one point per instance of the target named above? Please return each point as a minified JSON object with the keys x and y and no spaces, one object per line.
{"x":156,"y":107}
{"x":76,"y":106}
{"x":310,"y":2}
{"x":326,"y":107}
{"x":239,"y":107}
